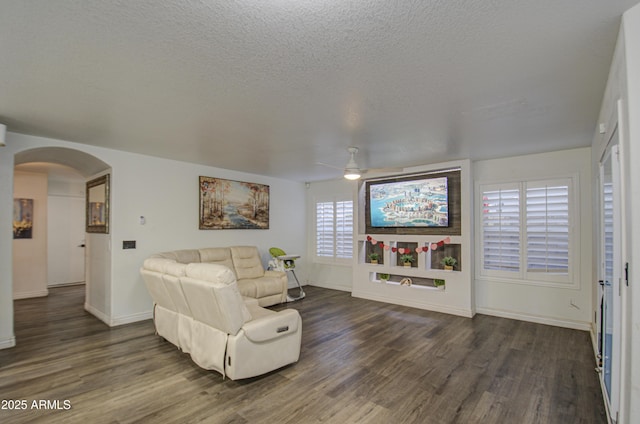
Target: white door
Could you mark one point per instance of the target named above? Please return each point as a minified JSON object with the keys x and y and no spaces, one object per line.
{"x":610,"y":276}
{"x":66,"y":239}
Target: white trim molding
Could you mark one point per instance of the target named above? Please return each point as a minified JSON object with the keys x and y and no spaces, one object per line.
{"x":28,"y":295}
{"x":8,"y":343}
{"x":557,"y":322}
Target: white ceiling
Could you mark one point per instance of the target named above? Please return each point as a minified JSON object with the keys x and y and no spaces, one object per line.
{"x":55,"y":171}
{"x":274,"y":86}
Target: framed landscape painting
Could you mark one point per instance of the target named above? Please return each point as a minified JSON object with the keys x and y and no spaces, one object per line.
{"x":22,"y":218}
{"x":228,"y":204}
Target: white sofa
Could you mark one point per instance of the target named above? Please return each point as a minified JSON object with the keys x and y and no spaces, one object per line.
{"x":268,"y":287}
{"x":198,"y":307}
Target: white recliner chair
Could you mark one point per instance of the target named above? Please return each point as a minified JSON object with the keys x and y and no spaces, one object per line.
{"x":226,"y":333}
{"x":237,"y":338}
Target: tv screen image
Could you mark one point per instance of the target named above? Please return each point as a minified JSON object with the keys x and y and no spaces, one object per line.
{"x":413,"y":203}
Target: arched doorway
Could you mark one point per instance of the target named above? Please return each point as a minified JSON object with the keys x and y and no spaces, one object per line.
{"x":43,"y":161}
{"x":64,"y":206}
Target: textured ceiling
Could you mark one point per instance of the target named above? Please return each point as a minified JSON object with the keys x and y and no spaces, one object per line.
{"x":274,"y":86}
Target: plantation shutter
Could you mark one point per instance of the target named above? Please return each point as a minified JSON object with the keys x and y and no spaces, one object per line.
{"x":324,"y":229}
{"x":547,"y":227}
{"x":501,"y":228}
{"x":334,"y":229}
{"x":344,"y":229}
{"x":608,"y":227}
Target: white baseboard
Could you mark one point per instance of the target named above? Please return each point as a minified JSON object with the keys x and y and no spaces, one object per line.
{"x":97,"y":313}
{"x":28,"y":295}
{"x":557,"y":322}
{"x":7,"y":343}
{"x":114,"y":322}
{"x":131,"y":318}
{"x":414,"y":304}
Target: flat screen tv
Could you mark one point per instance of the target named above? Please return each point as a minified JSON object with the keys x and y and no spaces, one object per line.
{"x":422,"y":202}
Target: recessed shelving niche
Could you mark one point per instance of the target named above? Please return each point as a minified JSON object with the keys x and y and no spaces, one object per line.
{"x":373,"y":249}
{"x":424,"y":257}
{"x":409,"y":248}
{"x":453,"y":250}
{"x":396,"y":279}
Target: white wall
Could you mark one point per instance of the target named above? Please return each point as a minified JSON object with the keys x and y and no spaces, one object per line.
{"x":98,"y":273}
{"x":166,"y":193}
{"x":7,"y":338}
{"x":30,"y":255}
{"x":544,"y":304}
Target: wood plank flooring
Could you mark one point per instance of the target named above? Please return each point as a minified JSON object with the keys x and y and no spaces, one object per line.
{"x":361,"y":362}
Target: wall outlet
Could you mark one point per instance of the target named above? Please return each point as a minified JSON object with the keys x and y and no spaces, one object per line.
{"x":128,"y":244}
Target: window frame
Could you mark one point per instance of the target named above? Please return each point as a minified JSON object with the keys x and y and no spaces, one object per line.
{"x":523,"y":275}
{"x":334,"y":259}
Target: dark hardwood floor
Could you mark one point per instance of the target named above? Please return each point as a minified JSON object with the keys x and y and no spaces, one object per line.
{"x":361,"y":362}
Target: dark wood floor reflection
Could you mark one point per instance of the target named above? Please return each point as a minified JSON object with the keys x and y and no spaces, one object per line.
{"x":361,"y":362}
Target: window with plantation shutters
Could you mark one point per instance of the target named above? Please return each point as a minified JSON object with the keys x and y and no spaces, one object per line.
{"x":325,"y":241}
{"x":334,"y":229}
{"x":526,"y":230}
{"x":344,"y":229}
{"x":548,"y":227}
{"x":501,"y":228}
{"x":608,"y":213}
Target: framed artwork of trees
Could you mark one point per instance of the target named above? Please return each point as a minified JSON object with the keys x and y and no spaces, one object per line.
{"x":228,"y":204}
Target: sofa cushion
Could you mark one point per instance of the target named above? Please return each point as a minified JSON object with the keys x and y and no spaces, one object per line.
{"x":246,"y":262}
{"x":266,"y":286}
{"x":217,"y":305}
{"x":221,"y":280}
{"x":155,"y":285}
{"x":211,"y":272}
{"x":258,"y":311}
{"x":185,"y":256}
{"x":157,"y":264}
{"x":248,"y":288}
{"x":217,"y":255}
{"x":172,"y":284}
{"x":175,"y":269}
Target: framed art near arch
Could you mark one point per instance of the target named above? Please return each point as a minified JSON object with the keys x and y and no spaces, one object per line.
{"x":98,"y":205}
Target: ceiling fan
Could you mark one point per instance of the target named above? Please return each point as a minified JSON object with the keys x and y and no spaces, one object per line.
{"x":352,"y":170}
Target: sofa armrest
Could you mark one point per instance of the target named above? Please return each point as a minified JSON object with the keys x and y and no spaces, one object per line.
{"x":274,"y":273}
{"x":272,"y":326}
{"x":250,"y":301}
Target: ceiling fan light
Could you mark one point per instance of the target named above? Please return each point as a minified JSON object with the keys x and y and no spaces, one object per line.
{"x":352,"y":174}
{"x":352,"y":170}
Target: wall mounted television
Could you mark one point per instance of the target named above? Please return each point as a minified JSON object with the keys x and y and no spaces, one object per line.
{"x":426,"y":203}
{"x":422,"y":202}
